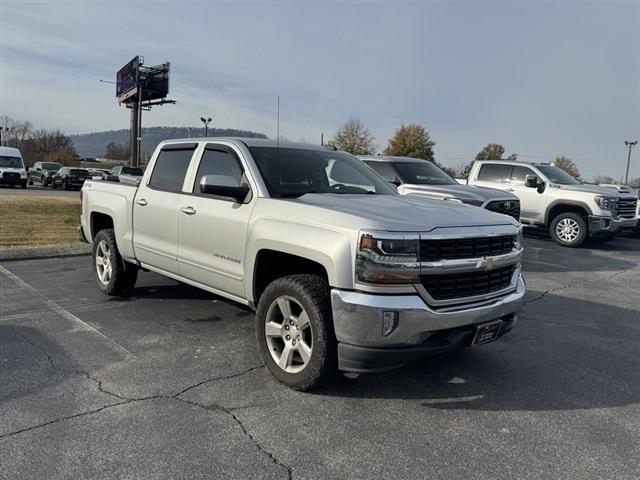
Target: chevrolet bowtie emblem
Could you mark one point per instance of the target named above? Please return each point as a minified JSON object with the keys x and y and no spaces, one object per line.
{"x":486,"y":263}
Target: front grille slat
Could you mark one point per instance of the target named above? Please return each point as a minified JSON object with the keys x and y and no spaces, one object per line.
{"x":627,"y":208}
{"x":467,"y":284}
{"x":506,"y":207}
{"x":456,"y":248}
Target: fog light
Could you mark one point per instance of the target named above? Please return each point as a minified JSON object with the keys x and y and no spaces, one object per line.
{"x":389,"y":322}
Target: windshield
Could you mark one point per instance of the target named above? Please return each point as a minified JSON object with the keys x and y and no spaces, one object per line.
{"x":51,"y":166}
{"x":555,"y":175}
{"x":131,"y":171}
{"x":423,"y":173}
{"x":10,"y":162}
{"x":79,"y":172}
{"x":292,"y":172}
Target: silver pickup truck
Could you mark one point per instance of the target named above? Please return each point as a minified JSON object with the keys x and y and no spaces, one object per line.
{"x":344,"y":273}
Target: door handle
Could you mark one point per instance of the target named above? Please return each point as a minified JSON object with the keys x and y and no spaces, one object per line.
{"x":188,"y":210}
{"x":142,"y":202}
{"x":508,"y":189}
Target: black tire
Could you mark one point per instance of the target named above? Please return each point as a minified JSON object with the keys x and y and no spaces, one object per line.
{"x":123,"y":274}
{"x":312,"y":293}
{"x":30,"y":181}
{"x":23,"y":185}
{"x":64,"y":185}
{"x":574,"y":219}
{"x":53,"y":184}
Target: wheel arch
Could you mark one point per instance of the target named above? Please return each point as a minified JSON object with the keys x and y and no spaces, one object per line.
{"x":562,"y":206}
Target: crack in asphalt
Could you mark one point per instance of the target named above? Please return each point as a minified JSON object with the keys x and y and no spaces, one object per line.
{"x":243,"y":428}
{"x":130,"y":400}
{"x":577,"y":284}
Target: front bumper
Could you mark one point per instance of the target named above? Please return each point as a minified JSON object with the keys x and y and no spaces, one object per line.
{"x":603,"y":226}
{"x":13,"y":181}
{"x":420,"y":330}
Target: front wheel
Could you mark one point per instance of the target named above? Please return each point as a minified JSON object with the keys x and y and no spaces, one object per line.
{"x":113,"y":275}
{"x":568,"y":229}
{"x":53,"y":184}
{"x":294,"y":330}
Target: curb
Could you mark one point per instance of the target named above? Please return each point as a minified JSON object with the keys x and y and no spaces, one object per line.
{"x":44,"y":253}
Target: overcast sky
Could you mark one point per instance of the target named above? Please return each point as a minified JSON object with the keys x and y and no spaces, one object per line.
{"x":541,"y":78}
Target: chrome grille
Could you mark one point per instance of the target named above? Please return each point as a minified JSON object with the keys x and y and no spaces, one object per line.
{"x":467,"y":284}
{"x":456,"y":248}
{"x":506,"y":207}
{"x":627,"y":207}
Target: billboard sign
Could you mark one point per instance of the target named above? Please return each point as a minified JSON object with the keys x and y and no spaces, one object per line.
{"x":127,"y":79}
{"x":155,"y":81}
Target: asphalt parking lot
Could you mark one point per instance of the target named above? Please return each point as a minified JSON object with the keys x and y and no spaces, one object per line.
{"x":38,"y":191}
{"x":168,"y":384}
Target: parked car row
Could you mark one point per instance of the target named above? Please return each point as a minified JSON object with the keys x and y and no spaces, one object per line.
{"x":54,"y":175}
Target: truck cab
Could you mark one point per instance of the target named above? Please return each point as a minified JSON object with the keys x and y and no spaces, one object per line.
{"x":572,"y":211}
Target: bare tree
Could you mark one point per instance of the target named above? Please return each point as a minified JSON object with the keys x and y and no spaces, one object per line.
{"x":565,"y":163}
{"x":116,"y":151}
{"x":411,"y":141}
{"x":15,"y":132}
{"x":354,"y":137}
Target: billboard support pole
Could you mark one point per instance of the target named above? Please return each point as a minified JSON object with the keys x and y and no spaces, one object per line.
{"x":133,"y":138}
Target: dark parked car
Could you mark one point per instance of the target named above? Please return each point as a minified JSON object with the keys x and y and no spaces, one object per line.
{"x":42,"y":172}
{"x":69,"y":177}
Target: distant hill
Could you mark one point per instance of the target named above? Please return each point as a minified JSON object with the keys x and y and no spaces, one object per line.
{"x":94,"y":144}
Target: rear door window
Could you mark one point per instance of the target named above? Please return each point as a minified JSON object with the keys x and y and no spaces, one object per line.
{"x":494,"y":172}
{"x":171,"y":167}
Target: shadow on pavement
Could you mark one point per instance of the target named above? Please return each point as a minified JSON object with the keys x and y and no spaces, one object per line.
{"x":584,"y":358}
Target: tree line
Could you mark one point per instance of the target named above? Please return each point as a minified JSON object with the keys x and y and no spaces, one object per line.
{"x":413,"y":140}
{"x":38,"y":144}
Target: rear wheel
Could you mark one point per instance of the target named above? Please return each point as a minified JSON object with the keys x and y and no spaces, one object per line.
{"x":294,"y":329}
{"x":568,"y":229}
{"x":113,"y":275}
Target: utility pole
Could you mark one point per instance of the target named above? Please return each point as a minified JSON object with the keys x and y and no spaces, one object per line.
{"x":206,"y":122}
{"x":629,"y":145}
{"x":1,"y":128}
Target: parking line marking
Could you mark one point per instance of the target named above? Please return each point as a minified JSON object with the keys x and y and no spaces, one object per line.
{"x":53,"y":306}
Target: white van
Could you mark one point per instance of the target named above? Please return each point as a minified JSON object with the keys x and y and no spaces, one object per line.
{"x":12,"y":171}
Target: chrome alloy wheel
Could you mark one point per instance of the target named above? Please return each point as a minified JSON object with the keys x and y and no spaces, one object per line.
{"x":567,"y":230}
{"x":288,"y":333}
{"x":104,"y":268}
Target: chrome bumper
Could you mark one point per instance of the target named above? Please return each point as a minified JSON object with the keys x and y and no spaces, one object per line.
{"x":357,"y":316}
{"x":606,"y":225}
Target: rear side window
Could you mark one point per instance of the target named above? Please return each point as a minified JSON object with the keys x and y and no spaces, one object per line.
{"x":170,"y":168}
{"x":385,"y":170}
{"x":519,"y":174}
{"x":218,"y":161}
{"x":494,"y":172}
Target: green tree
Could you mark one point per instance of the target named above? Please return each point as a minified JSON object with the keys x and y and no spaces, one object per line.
{"x":493,"y":151}
{"x":565,"y":163}
{"x":354,"y":137}
{"x":411,"y":140}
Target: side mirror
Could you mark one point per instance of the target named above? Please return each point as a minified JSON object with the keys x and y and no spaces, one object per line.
{"x":223,"y":186}
{"x":38,"y":169}
{"x":396,"y":181}
{"x":531,"y":181}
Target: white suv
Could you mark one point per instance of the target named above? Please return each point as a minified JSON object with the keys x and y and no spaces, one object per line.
{"x":551,"y":198}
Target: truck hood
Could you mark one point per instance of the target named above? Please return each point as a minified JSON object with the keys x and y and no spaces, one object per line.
{"x":401,"y":213}
{"x":595,"y":189}
{"x":465,"y":193}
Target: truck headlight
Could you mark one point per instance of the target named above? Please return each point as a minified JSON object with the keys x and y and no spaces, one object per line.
{"x":388,"y":258}
{"x":606,"y":203}
{"x":519,"y":242}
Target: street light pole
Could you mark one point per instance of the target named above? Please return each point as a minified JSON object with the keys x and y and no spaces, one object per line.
{"x":629,"y":145}
{"x":206,"y":122}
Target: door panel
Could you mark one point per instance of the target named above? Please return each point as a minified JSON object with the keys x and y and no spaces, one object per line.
{"x":155,"y":208}
{"x":532,"y":203}
{"x":212,"y":230}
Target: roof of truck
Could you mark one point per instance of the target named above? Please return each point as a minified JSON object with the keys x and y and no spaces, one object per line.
{"x":251,"y":142}
{"x":14,"y":152}
{"x":390,"y":158}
